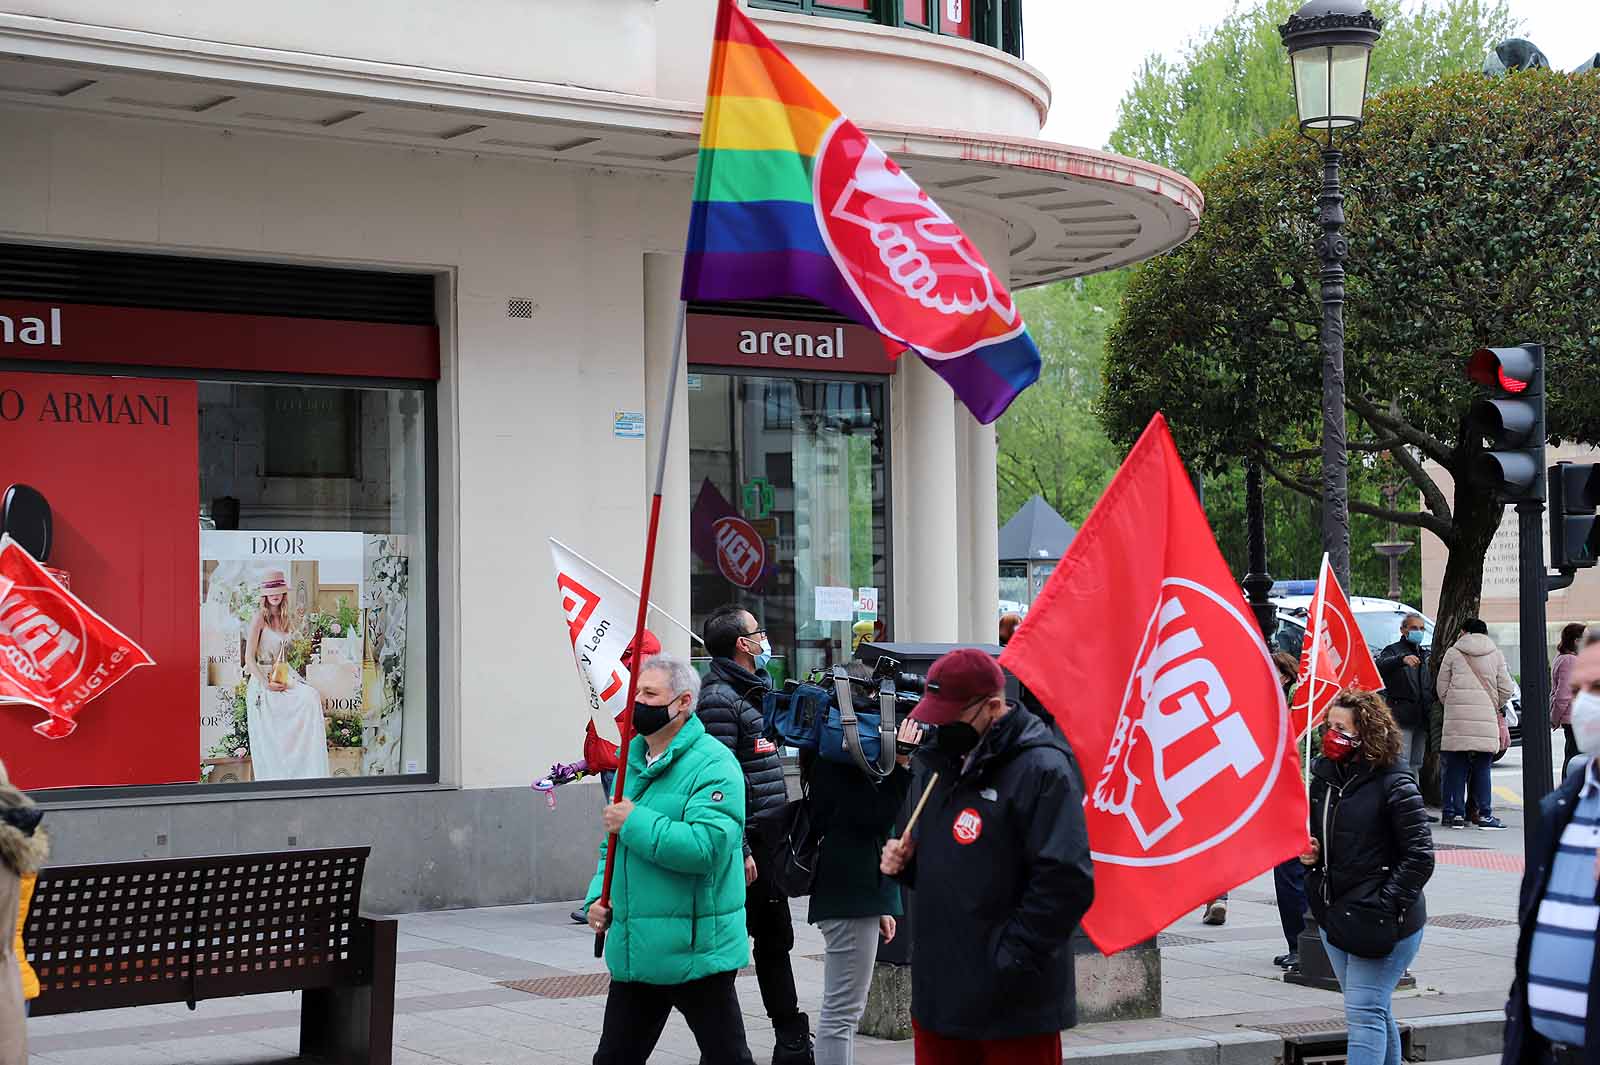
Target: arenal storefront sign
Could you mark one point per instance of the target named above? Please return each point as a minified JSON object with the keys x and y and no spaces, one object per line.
{"x":788,"y":344}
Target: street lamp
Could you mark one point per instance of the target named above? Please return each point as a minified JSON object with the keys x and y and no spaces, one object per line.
{"x":1330,"y":43}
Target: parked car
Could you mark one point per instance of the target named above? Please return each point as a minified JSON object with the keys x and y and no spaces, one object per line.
{"x":1379,"y":622}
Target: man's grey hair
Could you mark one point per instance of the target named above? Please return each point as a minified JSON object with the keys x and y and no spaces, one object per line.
{"x":681,"y":676}
{"x":1409,"y":618}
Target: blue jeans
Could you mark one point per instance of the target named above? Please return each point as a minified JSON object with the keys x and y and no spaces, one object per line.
{"x":1369,"y":999}
{"x":1464,"y":771}
{"x":1289,"y":881}
{"x":608,"y":781}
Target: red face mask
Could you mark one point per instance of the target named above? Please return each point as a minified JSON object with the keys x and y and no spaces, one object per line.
{"x":1337,"y":746}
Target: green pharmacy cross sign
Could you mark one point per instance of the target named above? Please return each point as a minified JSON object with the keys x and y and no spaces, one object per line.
{"x":757,"y":497}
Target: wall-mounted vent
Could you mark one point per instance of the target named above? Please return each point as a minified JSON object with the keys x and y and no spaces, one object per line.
{"x":519,"y":308}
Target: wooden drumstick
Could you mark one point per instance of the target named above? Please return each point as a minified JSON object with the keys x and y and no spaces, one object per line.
{"x":920,"y":804}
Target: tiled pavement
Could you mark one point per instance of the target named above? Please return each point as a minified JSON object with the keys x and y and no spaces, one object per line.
{"x":453,"y":1007}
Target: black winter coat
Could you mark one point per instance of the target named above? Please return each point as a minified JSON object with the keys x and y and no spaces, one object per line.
{"x":1001,"y":876}
{"x":1524,"y":1046}
{"x":1372,"y":830}
{"x":1407,"y":689}
{"x":730,"y":709}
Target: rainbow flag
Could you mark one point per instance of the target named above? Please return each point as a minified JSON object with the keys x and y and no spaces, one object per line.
{"x":791,"y":199}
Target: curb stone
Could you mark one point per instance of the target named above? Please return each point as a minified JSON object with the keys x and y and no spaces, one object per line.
{"x":1444,"y":1037}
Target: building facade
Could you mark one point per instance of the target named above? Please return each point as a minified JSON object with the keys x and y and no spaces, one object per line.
{"x":317,"y":323}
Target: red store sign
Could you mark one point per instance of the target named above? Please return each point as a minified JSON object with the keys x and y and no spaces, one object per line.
{"x":205,"y":340}
{"x":792,"y":345}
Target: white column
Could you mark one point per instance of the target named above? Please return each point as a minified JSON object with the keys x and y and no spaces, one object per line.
{"x":662,"y":275}
{"x":926,"y":593}
{"x":981,"y":504}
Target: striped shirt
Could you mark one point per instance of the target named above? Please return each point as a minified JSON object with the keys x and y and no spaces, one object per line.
{"x":1562,"y":955}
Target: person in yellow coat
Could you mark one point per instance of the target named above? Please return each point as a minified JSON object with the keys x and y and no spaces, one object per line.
{"x":23,"y":847}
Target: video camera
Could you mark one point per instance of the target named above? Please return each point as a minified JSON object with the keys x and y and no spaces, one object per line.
{"x":848,"y":713}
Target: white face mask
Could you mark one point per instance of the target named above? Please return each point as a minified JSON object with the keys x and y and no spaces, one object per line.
{"x":1586,"y":722}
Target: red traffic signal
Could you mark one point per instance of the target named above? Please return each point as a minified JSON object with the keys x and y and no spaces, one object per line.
{"x":1510,"y":418}
{"x":1511,"y":370}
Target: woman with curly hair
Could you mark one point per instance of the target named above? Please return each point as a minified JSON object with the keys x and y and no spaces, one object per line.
{"x":1370,"y":855}
{"x":22,"y":850}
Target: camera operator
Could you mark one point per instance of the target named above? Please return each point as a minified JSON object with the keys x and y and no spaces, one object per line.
{"x":999,"y":863}
{"x":730,"y":708}
{"x":852,"y":903}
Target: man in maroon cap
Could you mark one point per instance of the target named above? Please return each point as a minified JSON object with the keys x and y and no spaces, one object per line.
{"x":999,"y":863}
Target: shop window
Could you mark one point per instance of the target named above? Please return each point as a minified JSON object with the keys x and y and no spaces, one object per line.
{"x":997,"y":23}
{"x":313,"y":564}
{"x":264,"y":538}
{"x":800,"y":466}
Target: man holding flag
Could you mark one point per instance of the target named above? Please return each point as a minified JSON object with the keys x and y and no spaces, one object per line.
{"x":791,"y":199}
{"x":999,"y":863}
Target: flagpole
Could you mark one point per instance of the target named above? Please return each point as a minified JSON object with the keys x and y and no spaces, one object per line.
{"x":1311,"y":678}
{"x":644,"y":603}
{"x":624,"y":586}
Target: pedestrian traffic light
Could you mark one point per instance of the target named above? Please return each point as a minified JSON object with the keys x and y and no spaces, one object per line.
{"x":1574,"y":530}
{"x":1510,"y":417}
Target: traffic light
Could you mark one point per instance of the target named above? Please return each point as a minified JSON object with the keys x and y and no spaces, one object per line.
{"x":1511,"y":418}
{"x":1574,"y":531}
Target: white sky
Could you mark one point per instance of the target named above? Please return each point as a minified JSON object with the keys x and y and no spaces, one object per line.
{"x":1091,"y":51}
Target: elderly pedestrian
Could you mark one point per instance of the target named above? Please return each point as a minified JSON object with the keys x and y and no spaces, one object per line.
{"x":1473,"y":685}
{"x":1552,"y":1017}
{"x":1370,"y":855}
{"x":676,"y":932}
{"x":1408,"y":687}
{"x":1000,"y":871}
{"x":1561,"y":689}
{"x":23,"y":848}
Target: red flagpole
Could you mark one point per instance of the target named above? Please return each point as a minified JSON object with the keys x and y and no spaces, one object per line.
{"x":644,"y":606}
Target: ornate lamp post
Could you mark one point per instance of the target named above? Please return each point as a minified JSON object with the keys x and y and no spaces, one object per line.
{"x":1330,"y":43}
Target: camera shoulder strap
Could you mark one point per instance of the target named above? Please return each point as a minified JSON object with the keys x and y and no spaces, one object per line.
{"x":852,"y":729}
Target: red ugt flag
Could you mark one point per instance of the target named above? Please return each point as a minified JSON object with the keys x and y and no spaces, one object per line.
{"x":1341,"y":659}
{"x":55,"y":653}
{"x":1143,"y":649}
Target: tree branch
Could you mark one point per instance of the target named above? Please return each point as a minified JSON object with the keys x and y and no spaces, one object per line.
{"x":1416,"y":519}
{"x":1378,"y":419}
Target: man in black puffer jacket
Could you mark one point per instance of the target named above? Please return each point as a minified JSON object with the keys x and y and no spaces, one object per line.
{"x":1000,"y":870}
{"x":730,"y":709}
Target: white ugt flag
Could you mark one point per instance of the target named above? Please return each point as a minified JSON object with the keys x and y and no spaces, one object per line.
{"x":601,"y":612}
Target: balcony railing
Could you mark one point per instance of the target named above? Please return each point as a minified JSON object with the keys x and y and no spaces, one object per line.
{"x":996,"y":23}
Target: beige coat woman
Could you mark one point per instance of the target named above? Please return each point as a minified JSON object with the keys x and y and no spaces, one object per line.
{"x":1471,"y":716}
{"x":20,"y":852}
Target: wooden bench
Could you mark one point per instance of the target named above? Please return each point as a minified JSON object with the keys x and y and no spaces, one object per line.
{"x":186,"y":929}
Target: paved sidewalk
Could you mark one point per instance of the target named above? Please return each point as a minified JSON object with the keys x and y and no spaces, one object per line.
{"x":454,"y":1007}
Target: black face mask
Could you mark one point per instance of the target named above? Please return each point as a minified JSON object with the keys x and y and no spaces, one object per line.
{"x":957,"y":739}
{"x":649,"y":720}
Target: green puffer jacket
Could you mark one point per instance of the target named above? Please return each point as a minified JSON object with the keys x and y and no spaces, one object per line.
{"x":677,"y":897}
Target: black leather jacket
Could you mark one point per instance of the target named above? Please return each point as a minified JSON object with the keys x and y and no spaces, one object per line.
{"x":1372,"y":829}
{"x":730,"y":709}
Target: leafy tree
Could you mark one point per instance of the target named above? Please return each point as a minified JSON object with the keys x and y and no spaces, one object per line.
{"x":1049,"y":441}
{"x":1471,"y":206}
{"x":1233,"y":86}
